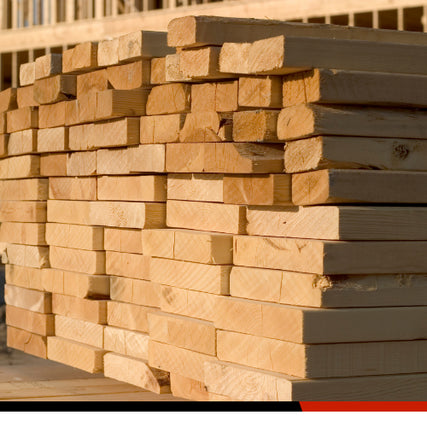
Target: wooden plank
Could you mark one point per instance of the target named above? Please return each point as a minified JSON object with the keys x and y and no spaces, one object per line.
{"x":255,"y":126}
{"x":27,"y":341}
{"x":69,"y":212}
{"x":316,"y":325}
{"x":134,"y":266}
{"x":81,"y":137}
{"x":8,"y":100}
{"x":21,"y":211}
{"x":52,"y":115}
{"x":114,"y":162}
{"x":328,"y":257}
{"x":89,"y":310}
{"x":234,"y":57}
{"x":22,"y":118}
{"x":203,"y":97}
{"x":53,"y":165}
{"x":122,"y":132}
{"x":28,"y":299}
{"x":23,"y":142}
{"x":260,"y":92}
{"x":130,"y":76}
{"x":308,"y":120}
{"x":322,"y":360}
{"x":83,"y":57}
{"x":127,"y":343}
{"x":52,"y":139}
{"x":108,"y":52}
{"x":258,"y":190}
{"x":147,"y":158}
{"x":78,"y":260}
{"x":177,"y":360}
{"x":27,"y":74}
{"x":188,"y":388}
{"x":16,"y":167}
{"x":3,"y":127}
{"x":72,"y":110}
{"x":172,"y":69}
{"x":135,"y":291}
{"x":80,"y":331}
{"x":251,"y":384}
{"x":207,"y":127}
{"x":31,"y":321}
{"x":75,"y":236}
{"x":73,"y":188}
{"x":25,"y":277}
{"x":54,"y":89}
{"x":170,"y":98}
{"x":198,"y":305}
{"x":3,"y":145}
{"x":150,"y":188}
{"x":122,"y":240}
{"x":190,"y":275}
{"x":81,"y":163}
{"x":28,"y":256}
{"x":158,"y":71}
{"x":161,"y":129}
{"x":143,"y":44}
{"x":223,"y":158}
{"x":94,"y":81}
{"x":80,"y":356}
{"x":206,"y":216}
{"x":25,"y":97}
{"x":188,"y":245}
{"x":136,"y":372}
{"x":227,"y":96}
{"x":344,"y":186}
{"x":48,"y":65}
{"x":128,"y":316}
{"x":196,"y":187}
{"x":23,"y":233}
{"x":183,"y":332}
{"x":339,"y":222}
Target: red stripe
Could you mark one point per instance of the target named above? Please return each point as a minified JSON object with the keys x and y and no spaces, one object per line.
{"x":363,"y":406}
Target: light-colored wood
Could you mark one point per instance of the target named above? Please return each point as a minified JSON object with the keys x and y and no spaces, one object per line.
{"x":8,"y":99}
{"x":23,"y":233}
{"x":250,"y":384}
{"x":134,"y":291}
{"x":122,"y":132}
{"x":188,"y":388}
{"x":119,"y":103}
{"x":79,"y":331}
{"x":89,"y":310}
{"x":3,"y":127}
{"x":114,"y":162}
{"x":72,"y":111}
{"x":149,"y":188}
{"x":25,"y":97}
{"x":82,"y":57}
{"x":203,"y":97}
{"x":3,"y":145}
{"x":75,"y":236}
{"x":196,"y":187}
{"x":128,"y":316}
{"x":73,"y":188}
{"x":169,"y":99}
{"x":22,"y":118}
{"x":307,"y":120}
{"x":20,"y":167}
{"x":108,"y":52}
{"x":329,"y":257}
{"x":54,"y":89}
{"x":69,"y":212}
{"x":81,"y":261}
{"x":147,"y":158}
{"x":85,"y":109}
{"x":23,"y":142}
{"x":161,"y":129}
{"x":188,"y":245}
{"x":198,"y":305}
{"x":25,"y":277}
{"x":52,"y":115}
{"x":183,"y":332}
{"x":81,"y":137}
{"x":143,"y":44}
{"x":223,"y":158}
{"x":260,"y":92}
{"x":136,"y":372}
{"x":255,"y":126}
{"x":134,"y":266}
{"x":177,"y":360}
{"x":207,"y":127}
{"x":122,"y":240}
{"x":158,"y":71}
{"x":27,"y":341}
{"x":81,"y":163}
{"x":130,"y":76}
{"x":28,"y":256}
{"x":227,"y":96}
{"x":21,"y":211}
{"x":48,"y":65}
{"x":190,"y":275}
{"x":27,"y":74}
{"x":52,"y":139}
{"x":234,"y":57}
{"x":31,"y":321}
{"x":206,"y":216}
{"x":28,"y":299}
{"x":258,"y":190}
{"x":77,"y":355}
{"x":344,"y":186}
{"x":316,"y":325}
{"x":53,"y":164}
{"x":94,"y":81}
{"x":127,"y":343}
{"x":172,"y":69}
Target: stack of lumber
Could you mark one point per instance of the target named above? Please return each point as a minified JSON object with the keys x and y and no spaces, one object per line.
{"x":238,"y":211}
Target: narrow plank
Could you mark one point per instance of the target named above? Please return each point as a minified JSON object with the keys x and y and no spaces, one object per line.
{"x":25,"y":97}
{"x":350,"y":186}
{"x":169,"y":99}
{"x":80,"y":331}
{"x":183,"y":332}
{"x":128,"y":316}
{"x":31,"y":321}
{"x":108,"y":52}
{"x":48,"y":65}
{"x":203,"y":97}
{"x":8,"y":99}
{"x":224,"y":158}
{"x":143,"y":44}
{"x":4,"y":139}
{"x":126,"y":343}
{"x":81,"y":137}
{"x":53,"y":115}
{"x":23,"y":233}
{"x":22,"y":118}
{"x":122,"y":240}
{"x":207,"y":127}
{"x":255,"y":126}
{"x":28,"y":256}
{"x":21,"y":211}
{"x":147,"y":158}
{"x":206,"y":216}
{"x":82,"y":57}
{"x":130,"y":76}
{"x":172,"y":69}
{"x":23,"y":142}
{"x":27,"y":74}
{"x":122,"y":132}
{"x":158,"y":242}
{"x":25,"y":277}
{"x":94,"y":81}
{"x":71,"y":353}
{"x":316,"y":325}
{"x":81,"y":163}
{"x":234,"y":57}
{"x":260,"y":92}
{"x":227,"y":96}
{"x":24,"y":189}
{"x":158,"y":71}
{"x":89,"y":310}
{"x":188,"y":388}
{"x":134,"y":291}
{"x":75,"y":236}
{"x":54,"y":89}
{"x":53,"y":164}
{"x":28,"y":299}
{"x":134,"y":266}
{"x":69,"y":212}
{"x":78,"y":260}
{"x":20,"y":167}
{"x":161,"y":129}
{"x":136,"y":372}
{"x":52,"y":139}
{"x":196,"y":187}
{"x":84,"y":111}
{"x":27,"y":342}
{"x":66,"y":188}
{"x":113,"y":161}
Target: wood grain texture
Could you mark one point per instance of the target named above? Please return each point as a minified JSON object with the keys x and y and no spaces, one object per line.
{"x":135,"y":291}
{"x":25,"y":97}
{"x":130,"y":76}
{"x":28,"y":299}
{"x":122,"y":240}
{"x":169,"y":99}
{"x":31,"y":321}
{"x":28,"y":256}
{"x":126,"y":343}
{"x":73,"y":188}
{"x":22,"y":211}
{"x":80,"y":331}
{"x":260,"y":92}
{"x":27,"y":342}
{"x":52,"y":139}
{"x":25,"y":189}
{"x":83,"y":57}
{"x":143,"y":44}
{"x":23,"y":142}
{"x":75,"y":236}
{"x":53,"y":164}
{"x":54,"y":89}
{"x":207,"y":126}
{"x":161,"y":129}
{"x":196,"y":187}
{"x":22,"y":118}
{"x":48,"y":65}
{"x":134,"y":266}
{"x":25,"y":277}
{"x":128,"y":316}
{"x":53,"y":115}
{"x":23,"y":233}
{"x":8,"y":99}
{"x":27,"y":73}
{"x":149,"y":158}
{"x":20,"y":167}
{"x":188,"y":388}
{"x":78,"y":260}
{"x":255,"y":126}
